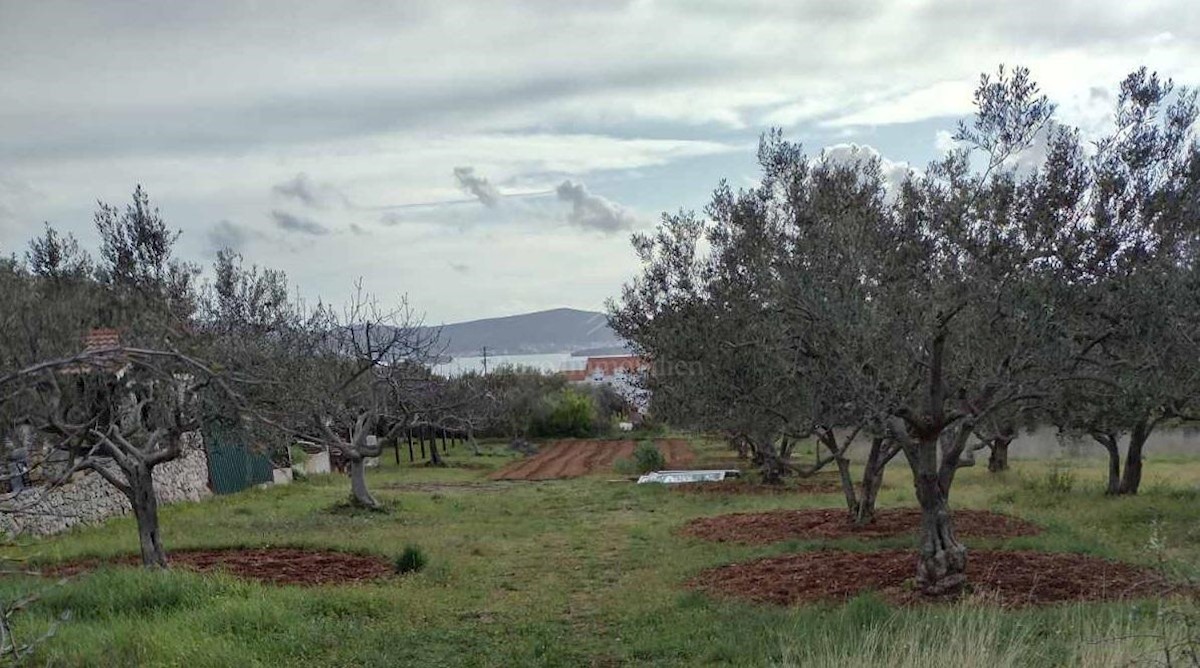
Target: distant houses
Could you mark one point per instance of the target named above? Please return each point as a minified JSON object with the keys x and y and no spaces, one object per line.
{"x":620,"y":372}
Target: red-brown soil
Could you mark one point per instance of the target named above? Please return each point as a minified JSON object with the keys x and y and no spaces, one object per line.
{"x":575,"y":458}
{"x":273,"y":565}
{"x":1006,"y":578}
{"x":828,"y":523}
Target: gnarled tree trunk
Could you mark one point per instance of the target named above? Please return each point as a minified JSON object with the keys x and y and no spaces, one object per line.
{"x":829,"y":440}
{"x":872,"y":479}
{"x":359,"y":495}
{"x":1132,"y":478}
{"x":942,"y":561}
{"x":140,"y":493}
{"x":998,"y":459}
{"x":1109,"y":442}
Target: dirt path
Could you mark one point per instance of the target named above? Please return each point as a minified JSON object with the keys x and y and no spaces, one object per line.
{"x":575,"y":458}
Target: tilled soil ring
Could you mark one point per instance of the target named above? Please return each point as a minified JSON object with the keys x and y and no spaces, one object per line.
{"x":575,"y":458}
{"x":1005,"y":578}
{"x":774,"y":526}
{"x":272,"y":565}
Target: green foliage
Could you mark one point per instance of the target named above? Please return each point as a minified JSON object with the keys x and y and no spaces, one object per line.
{"x":411,"y":560}
{"x":1056,"y":480}
{"x":566,"y":414}
{"x":648,"y":457}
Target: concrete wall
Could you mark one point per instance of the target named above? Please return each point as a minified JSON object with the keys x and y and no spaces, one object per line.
{"x":89,"y":499}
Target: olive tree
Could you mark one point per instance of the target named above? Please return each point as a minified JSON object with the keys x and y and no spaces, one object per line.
{"x":338,"y":379}
{"x":912,"y":315}
{"x":1130,"y":250}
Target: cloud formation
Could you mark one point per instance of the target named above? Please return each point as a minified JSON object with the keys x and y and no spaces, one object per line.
{"x":289,"y":222}
{"x":226,"y":234}
{"x":893,"y":173}
{"x":313,"y":195}
{"x":593,"y":212}
{"x":477,"y":186}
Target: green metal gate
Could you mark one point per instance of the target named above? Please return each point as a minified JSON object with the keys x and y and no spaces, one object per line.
{"x":232,"y":466}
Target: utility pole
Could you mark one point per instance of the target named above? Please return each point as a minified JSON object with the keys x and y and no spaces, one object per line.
{"x":485,"y":360}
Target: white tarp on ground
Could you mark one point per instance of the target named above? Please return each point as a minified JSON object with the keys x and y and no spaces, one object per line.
{"x":676,"y":477}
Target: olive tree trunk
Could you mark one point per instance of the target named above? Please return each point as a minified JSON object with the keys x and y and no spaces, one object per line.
{"x":881,"y":453}
{"x":359,"y":495}
{"x":829,"y":440}
{"x":140,"y":492}
{"x":1109,"y":442}
{"x":1132,"y":478}
{"x":998,"y":459}
{"x":942,"y":560}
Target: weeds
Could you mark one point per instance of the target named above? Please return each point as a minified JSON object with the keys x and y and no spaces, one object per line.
{"x":411,"y":560}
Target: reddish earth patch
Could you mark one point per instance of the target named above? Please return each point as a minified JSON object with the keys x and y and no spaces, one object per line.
{"x":774,"y":526}
{"x":575,"y":458}
{"x":274,"y":565}
{"x":1006,"y":578}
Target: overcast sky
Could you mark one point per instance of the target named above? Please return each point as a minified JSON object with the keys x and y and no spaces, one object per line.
{"x":488,"y":157}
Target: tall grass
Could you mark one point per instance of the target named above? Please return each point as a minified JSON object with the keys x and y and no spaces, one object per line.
{"x":968,"y":635}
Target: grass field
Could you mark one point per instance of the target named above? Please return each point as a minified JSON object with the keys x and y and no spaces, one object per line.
{"x":589,"y":572}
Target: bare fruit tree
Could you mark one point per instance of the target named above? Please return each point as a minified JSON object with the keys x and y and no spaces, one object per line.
{"x":340,"y":379}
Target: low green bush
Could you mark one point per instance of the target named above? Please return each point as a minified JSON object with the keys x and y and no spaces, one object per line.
{"x":648,"y":458}
{"x":411,"y":560}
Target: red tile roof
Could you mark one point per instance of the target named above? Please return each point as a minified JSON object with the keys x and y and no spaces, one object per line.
{"x":101,"y":339}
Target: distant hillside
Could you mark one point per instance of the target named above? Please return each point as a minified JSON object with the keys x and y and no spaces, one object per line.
{"x":561,"y":330}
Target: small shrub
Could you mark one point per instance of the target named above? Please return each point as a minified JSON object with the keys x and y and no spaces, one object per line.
{"x":411,"y":560}
{"x":1057,"y":480}
{"x":647,"y":458}
{"x":568,"y":414}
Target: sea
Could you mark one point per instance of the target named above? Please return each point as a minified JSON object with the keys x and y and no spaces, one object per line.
{"x":546,"y":362}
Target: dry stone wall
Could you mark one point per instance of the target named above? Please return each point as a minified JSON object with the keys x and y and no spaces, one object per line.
{"x":89,"y":499}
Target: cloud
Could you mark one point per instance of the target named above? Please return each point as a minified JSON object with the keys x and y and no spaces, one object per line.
{"x":944,"y":98}
{"x":593,"y":212}
{"x":314,"y":195}
{"x":943,"y":142}
{"x":226,"y":234}
{"x":893,"y":173}
{"x":477,"y":186}
{"x":357,"y":229}
{"x":460,"y":267}
{"x":14,"y":195}
{"x":299,"y":224}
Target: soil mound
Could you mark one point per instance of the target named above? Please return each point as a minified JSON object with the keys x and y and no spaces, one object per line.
{"x":1005,"y":578}
{"x":774,"y":526}
{"x":276,"y":565}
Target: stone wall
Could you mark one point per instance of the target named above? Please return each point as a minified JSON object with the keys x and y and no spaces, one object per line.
{"x":89,"y":499}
